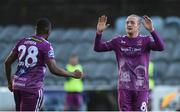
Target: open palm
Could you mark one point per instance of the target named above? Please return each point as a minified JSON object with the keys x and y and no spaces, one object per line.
{"x":101,"y":26}
{"x":148,"y":23}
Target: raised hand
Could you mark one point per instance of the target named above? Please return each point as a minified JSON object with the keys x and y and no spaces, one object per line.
{"x":77,"y":74}
{"x":101,"y":26}
{"x":148,"y":23}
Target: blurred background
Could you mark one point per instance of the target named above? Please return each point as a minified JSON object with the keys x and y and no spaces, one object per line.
{"x":74,"y":27}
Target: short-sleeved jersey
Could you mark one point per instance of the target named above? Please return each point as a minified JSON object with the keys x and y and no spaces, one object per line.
{"x":33,"y":53}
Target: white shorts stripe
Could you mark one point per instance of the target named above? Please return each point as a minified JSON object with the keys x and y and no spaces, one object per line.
{"x":39,"y":100}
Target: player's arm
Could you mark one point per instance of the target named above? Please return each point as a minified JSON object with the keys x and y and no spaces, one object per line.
{"x":54,"y":69}
{"x":99,"y":45}
{"x":158,"y":44}
{"x":8,"y":62}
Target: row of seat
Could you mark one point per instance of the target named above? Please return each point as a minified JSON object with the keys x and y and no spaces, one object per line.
{"x":86,"y":53}
{"x":159,"y":23}
{"x":170,"y":54}
{"x":100,"y":68}
{"x":74,"y":35}
{"x":107,"y":71}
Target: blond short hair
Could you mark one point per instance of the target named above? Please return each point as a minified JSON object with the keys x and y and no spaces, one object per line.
{"x":139,"y":18}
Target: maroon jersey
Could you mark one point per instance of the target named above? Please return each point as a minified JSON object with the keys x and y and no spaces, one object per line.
{"x":132,"y":56}
{"x":33,"y":53}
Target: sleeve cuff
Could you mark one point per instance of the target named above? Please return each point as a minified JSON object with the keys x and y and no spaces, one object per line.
{"x":153,"y":32}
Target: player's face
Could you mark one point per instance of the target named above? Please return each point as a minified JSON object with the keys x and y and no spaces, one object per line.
{"x":132,"y":25}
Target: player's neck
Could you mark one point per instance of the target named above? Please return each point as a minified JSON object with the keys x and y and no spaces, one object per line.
{"x":132,"y":35}
{"x":42,"y":35}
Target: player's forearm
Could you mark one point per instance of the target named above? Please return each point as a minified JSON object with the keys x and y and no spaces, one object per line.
{"x":98,"y":44}
{"x":54,"y":69}
{"x":60,"y":72}
{"x":8,"y":71}
{"x":158,"y":41}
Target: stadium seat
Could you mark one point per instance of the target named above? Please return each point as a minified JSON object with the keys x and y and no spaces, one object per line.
{"x":171,"y":82}
{"x":24,"y":31}
{"x":114,"y":83}
{"x":5,"y":50}
{"x":49,"y":82}
{"x":90,"y":70}
{"x":115,"y":74}
{"x":60,"y":82}
{"x":64,"y":52}
{"x":61,"y":64}
{"x":1,"y":29}
{"x":106,"y":70}
{"x":72,"y":35}
{"x":158,"y":23}
{"x":176,"y":54}
{"x":57,"y":80}
{"x":143,"y":31}
{"x":160,"y":69}
{"x":50,"y":79}
{"x":81,"y":50}
{"x":173,"y":72}
{"x":3,"y":80}
{"x":100,"y":84}
{"x":171,"y":19}
{"x":109,"y":56}
{"x":108,"y":34}
{"x":56,"y":36}
{"x":1,"y":70}
{"x":2,"y":49}
{"x":95,"y":56}
{"x":164,"y":55}
{"x":87,"y":84}
{"x":97,"y":66}
{"x":171,"y":31}
{"x":120,"y":24}
{"x":156,"y":56}
{"x":88,"y":35}
{"x":8,"y":33}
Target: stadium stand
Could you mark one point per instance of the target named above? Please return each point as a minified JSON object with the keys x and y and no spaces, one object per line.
{"x":100,"y":68}
{"x":87,"y":35}
{"x":120,"y":24}
{"x":171,"y":19}
{"x":158,"y":22}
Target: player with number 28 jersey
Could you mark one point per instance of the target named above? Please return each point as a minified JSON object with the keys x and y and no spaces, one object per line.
{"x":32,"y":53}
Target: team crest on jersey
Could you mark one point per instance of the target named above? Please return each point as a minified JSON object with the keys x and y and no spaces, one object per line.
{"x":125,"y":76}
{"x":139,"y":42}
{"x":51,"y":53}
{"x":123,"y":42}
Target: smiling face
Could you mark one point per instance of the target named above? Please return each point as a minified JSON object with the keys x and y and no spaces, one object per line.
{"x":132,"y":25}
